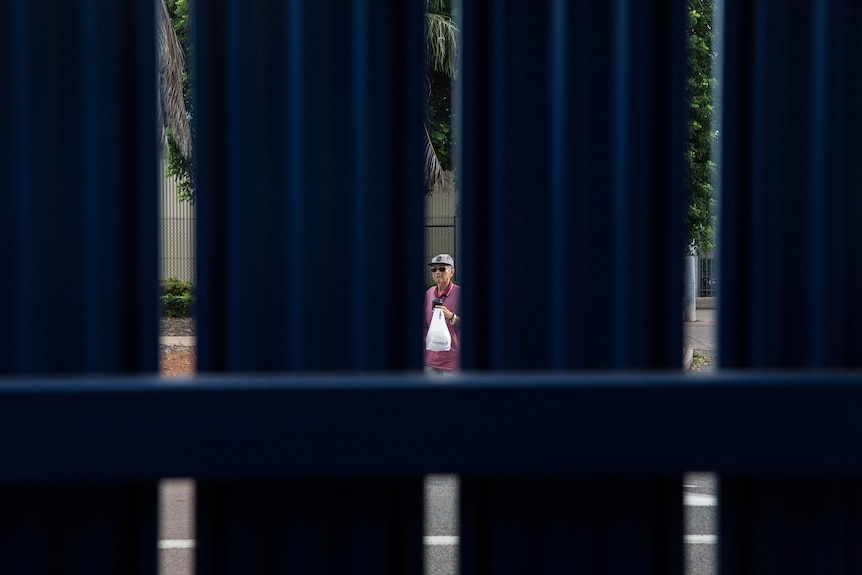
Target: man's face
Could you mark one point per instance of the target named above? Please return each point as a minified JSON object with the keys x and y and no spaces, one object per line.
{"x":441,"y":273}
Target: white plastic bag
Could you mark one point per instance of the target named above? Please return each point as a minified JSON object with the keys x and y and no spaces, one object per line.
{"x":438,"y":338}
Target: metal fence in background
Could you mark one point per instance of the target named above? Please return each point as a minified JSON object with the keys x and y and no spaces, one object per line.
{"x":707,"y":274}
{"x":441,"y":225}
{"x":176,"y":233}
{"x":178,"y":255}
{"x":441,"y":237}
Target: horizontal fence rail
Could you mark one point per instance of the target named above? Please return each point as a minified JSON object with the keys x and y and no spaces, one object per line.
{"x":549,"y":460}
{"x":508,"y":425}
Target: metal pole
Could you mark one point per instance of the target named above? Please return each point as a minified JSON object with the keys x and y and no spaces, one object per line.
{"x":689,"y":306}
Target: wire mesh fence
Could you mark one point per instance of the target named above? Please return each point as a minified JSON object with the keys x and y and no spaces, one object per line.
{"x":441,"y":238}
{"x":177,"y":232}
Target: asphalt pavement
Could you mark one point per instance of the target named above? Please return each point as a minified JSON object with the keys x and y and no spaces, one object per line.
{"x":701,"y":334}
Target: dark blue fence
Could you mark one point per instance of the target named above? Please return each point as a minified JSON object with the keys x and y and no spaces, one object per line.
{"x":310,"y":428}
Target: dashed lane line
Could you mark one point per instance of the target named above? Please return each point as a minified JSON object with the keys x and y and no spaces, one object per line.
{"x":699,"y":500}
{"x":190,"y":543}
{"x":430,"y":540}
{"x":689,"y":499}
{"x":176,"y":544}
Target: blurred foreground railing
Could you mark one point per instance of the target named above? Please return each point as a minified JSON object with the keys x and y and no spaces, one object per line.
{"x":324,"y":474}
{"x":308,"y":156}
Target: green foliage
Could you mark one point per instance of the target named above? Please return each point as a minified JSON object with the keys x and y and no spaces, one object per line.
{"x":180,"y":12}
{"x":181,"y":168}
{"x":442,"y":50}
{"x":177,"y":298}
{"x":439,"y":117}
{"x":441,"y":35}
{"x":700,"y":216}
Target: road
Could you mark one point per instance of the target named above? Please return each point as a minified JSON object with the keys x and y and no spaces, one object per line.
{"x":176,"y":529}
{"x":701,"y":535}
{"x":441,"y":525}
{"x":441,"y":495}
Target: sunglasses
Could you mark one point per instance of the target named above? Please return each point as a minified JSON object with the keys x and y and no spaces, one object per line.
{"x":440,"y":269}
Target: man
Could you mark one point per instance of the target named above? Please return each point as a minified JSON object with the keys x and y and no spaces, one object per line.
{"x":448,"y":296}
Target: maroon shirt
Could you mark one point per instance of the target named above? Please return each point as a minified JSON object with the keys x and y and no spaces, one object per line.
{"x":444,"y":360}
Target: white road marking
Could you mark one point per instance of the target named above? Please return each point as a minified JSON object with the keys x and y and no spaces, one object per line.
{"x":701,"y":539}
{"x":190,"y":543}
{"x":429,"y":540}
{"x":690,"y":499}
{"x":453,"y":539}
{"x":176,"y":544}
{"x":699,"y":500}
{"x":441,"y":540}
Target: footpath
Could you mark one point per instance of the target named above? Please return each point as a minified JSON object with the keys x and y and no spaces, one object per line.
{"x":699,"y":336}
{"x":178,"y":340}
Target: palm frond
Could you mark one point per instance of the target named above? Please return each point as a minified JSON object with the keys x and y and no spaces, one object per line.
{"x":442,"y":43}
{"x":441,"y":36}
{"x":173,"y":65}
{"x":436,"y":179}
{"x":438,"y":6}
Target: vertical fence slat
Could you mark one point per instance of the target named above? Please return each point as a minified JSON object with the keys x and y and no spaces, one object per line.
{"x":80,"y":211}
{"x":790,"y":206}
{"x":572,"y":186}
{"x":605,"y":525}
{"x":78,"y":226}
{"x":791,"y":525}
{"x":791,"y":197}
{"x":309,"y":184}
{"x":309,"y":200}
{"x":99,"y":528}
{"x":572,"y":192}
{"x":344,"y":527}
